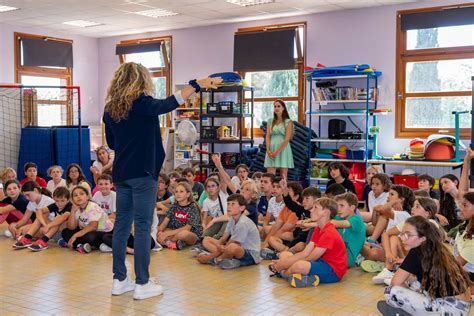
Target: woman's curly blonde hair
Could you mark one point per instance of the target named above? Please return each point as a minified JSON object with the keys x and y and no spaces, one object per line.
{"x":130,"y":80}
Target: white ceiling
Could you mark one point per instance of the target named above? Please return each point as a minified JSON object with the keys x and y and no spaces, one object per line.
{"x":118,"y":19}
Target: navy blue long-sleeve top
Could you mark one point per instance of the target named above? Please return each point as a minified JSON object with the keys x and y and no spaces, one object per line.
{"x":136,"y":140}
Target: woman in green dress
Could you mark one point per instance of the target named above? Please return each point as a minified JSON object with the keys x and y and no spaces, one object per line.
{"x":279,"y":134}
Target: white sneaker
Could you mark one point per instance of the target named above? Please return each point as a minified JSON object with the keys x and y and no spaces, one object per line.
{"x":143,"y":291}
{"x":104,"y":248}
{"x":121,"y":287}
{"x":387,"y":281}
{"x":8,"y":234}
{"x":384,"y":274}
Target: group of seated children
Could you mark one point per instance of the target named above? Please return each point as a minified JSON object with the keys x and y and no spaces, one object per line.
{"x":238,"y":221}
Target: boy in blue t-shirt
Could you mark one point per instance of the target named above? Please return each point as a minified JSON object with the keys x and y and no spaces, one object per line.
{"x":350,"y":226}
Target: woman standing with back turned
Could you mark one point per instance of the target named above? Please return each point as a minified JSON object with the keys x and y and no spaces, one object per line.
{"x":132,"y":129}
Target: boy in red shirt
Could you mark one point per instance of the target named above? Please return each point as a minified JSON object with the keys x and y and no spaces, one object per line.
{"x":323,"y":260}
{"x":31,"y":172}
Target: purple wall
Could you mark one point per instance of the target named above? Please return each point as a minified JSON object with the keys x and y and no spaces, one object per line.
{"x":86,"y":66}
{"x":333,"y":38}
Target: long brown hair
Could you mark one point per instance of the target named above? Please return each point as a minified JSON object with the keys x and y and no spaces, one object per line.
{"x":469,"y":227}
{"x":437,"y":262}
{"x":284,"y":115}
{"x":130,"y":80}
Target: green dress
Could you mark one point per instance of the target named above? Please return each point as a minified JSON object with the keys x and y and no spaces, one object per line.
{"x":277,"y":136}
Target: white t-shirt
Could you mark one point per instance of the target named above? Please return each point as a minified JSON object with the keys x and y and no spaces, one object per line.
{"x":398,"y":217}
{"x":154,"y":231}
{"x":44,"y":202}
{"x":401,"y":224}
{"x":465,"y":249}
{"x":274,"y":207}
{"x":236,"y":182}
{"x":107,"y":203}
{"x":213,"y":208}
{"x":374,"y":201}
{"x":51,"y":186}
{"x":98,"y":165}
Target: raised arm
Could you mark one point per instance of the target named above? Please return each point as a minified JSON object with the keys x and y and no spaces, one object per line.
{"x":216,"y":158}
{"x":464,"y":180}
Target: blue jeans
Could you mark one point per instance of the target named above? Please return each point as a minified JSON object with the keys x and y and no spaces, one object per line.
{"x":136,"y":200}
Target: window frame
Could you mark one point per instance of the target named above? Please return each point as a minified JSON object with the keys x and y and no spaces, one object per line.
{"x":156,"y":72}
{"x":404,"y":56}
{"x":299,"y":65}
{"x":63,"y":74}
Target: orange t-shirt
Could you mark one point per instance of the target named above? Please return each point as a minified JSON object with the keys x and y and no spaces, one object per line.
{"x":287,"y":216}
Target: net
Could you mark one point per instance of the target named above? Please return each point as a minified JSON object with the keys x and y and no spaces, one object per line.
{"x":41,"y":124}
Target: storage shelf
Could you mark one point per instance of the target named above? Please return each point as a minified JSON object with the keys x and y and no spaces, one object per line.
{"x":186,"y":118}
{"x":427,"y":163}
{"x":340,"y":160}
{"x":345,"y":113}
{"x":225,"y":141}
{"x":344,"y":77}
{"x":229,"y":89}
{"x":332,"y":140}
{"x":188,"y":109}
{"x":222,"y":115}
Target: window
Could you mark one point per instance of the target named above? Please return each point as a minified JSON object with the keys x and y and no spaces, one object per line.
{"x":435,"y":63}
{"x":155,"y":54}
{"x":157,"y":61}
{"x":34,"y":67}
{"x":286,"y":84}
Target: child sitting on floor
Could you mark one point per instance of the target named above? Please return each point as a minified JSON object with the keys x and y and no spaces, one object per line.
{"x":240,"y":245}
{"x":350,"y":226}
{"x":286,"y":221}
{"x":87,"y":224}
{"x":31,"y":173}
{"x":13,"y":206}
{"x":38,"y":199}
{"x":214,"y":206}
{"x":323,"y":260}
{"x":56,"y":173}
{"x":182,"y":224}
{"x":275,"y":205}
{"x":197,"y":187}
{"x":49,"y":221}
{"x":105,"y":197}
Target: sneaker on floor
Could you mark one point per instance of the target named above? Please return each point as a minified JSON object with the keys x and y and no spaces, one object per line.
{"x":372,"y":266}
{"x":7,"y":233}
{"x":384,"y":274}
{"x":22,"y":243}
{"x":83,"y":248}
{"x":228,"y":264}
{"x":62,"y":243}
{"x":388,"y":310}
{"x":38,"y":245}
{"x":143,"y":291}
{"x":121,"y":287}
{"x":387,"y":282}
{"x":180,"y":245}
{"x":359,"y":260}
{"x":104,"y":248}
{"x":268,"y":254}
{"x":197,"y":248}
{"x":299,"y":281}
{"x":170,"y":245}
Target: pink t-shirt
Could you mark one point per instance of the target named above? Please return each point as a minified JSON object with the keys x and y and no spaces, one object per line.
{"x":93,"y":213}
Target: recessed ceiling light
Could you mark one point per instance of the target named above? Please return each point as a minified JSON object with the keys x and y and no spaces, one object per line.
{"x":82,"y":23}
{"x":5,"y":8}
{"x":156,"y":13}
{"x":247,"y":3}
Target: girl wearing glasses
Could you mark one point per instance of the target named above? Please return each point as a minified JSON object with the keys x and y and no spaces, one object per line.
{"x":442,"y":286}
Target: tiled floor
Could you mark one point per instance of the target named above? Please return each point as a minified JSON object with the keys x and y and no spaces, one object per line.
{"x":62,"y":282}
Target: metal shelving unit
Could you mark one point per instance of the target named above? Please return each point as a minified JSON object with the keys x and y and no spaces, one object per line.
{"x":240,"y":116}
{"x":366,"y":108}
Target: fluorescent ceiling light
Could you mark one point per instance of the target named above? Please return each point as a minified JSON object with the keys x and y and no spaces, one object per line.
{"x":247,"y":3}
{"x":5,"y":8}
{"x":156,"y":13}
{"x":82,"y":23}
